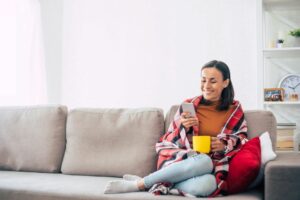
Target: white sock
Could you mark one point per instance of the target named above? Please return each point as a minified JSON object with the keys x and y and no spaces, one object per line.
{"x":122,"y":186}
{"x":130,"y":177}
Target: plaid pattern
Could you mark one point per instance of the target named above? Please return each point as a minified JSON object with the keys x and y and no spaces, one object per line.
{"x":167,"y":188}
{"x":174,"y":146}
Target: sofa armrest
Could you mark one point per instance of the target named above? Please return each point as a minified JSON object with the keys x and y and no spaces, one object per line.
{"x":282,"y":177}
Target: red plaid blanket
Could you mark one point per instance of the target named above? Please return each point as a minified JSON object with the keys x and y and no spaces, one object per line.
{"x":174,"y":146}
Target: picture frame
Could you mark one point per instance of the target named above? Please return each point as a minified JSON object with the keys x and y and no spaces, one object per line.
{"x":273,"y":94}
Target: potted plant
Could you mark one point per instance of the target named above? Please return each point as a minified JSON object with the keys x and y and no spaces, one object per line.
{"x":296,"y":34}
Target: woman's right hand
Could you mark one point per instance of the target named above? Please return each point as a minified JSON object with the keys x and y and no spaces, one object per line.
{"x":188,"y":121}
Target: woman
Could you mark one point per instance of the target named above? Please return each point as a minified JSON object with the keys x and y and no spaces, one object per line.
{"x":180,"y":169}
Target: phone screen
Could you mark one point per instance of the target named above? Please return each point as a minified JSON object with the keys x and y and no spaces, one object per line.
{"x":189,"y":107}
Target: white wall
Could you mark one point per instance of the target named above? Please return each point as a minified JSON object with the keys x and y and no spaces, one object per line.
{"x":51,"y":12}
{"x":138,"y":53}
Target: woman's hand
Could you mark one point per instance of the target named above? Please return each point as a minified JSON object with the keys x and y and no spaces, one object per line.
{"x":188,"y":121}
{"x":217,"y":144}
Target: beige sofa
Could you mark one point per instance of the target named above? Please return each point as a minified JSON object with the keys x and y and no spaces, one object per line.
{"x":48,"y":153}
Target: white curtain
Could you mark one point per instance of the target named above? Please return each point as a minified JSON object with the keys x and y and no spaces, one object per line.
{"x":7,"y":50}
{"x":26,"y":84}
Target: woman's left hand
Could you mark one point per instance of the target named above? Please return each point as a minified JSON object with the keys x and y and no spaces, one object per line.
{"x":217,"y":145}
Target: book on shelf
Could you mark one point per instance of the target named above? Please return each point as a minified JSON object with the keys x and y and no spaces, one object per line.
{"x":285,"y":124}
{"x":285,"y":132}
{"x":285,"y":149}
{"x":285,"y":144}
{"x":285,"y":136}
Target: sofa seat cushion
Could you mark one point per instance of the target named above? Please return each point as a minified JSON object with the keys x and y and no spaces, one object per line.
{"x":51,"y":186}
{"x":32,"y":138}
{"x":112,"y":142}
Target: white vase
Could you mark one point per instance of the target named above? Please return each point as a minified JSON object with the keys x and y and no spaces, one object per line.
{"x":296,"y":42}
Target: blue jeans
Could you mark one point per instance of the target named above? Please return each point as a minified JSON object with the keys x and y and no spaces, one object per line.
{"x":192,"y":175}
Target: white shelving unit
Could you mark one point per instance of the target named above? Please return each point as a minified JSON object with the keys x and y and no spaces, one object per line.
{"x":276,"y":19}
{"x":282,"y":103}
{"x":293,"y":52}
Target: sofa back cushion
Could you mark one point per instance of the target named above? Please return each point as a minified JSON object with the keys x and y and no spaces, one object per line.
{"x":112,"y":142}
{"x":258,"y":122}
{"x":32,"y":138}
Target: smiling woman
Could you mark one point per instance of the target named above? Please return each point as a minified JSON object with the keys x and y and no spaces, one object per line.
{"x":180,"y":164}
{"x":216,"y":83}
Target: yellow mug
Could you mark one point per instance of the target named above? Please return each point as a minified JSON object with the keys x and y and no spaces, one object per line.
{"x":201,"y":143}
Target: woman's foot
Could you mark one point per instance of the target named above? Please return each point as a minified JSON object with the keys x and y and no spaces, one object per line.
{"x":140,"y":180}
{"x":121,"y":186}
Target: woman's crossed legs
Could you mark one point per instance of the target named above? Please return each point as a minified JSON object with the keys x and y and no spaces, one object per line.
{"x":192,"y":175}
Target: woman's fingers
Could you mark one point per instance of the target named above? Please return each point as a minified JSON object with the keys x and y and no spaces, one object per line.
{"x":216,"y":144}
{"x":216,"y":148}
{"x":192,"y":121}
{"x":188,"y":122}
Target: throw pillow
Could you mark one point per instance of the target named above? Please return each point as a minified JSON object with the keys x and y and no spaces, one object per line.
{"x":267,"y":152}
{"x":244,"y":166}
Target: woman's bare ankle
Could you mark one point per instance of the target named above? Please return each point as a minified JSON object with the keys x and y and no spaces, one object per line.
{"x":141,"y":184}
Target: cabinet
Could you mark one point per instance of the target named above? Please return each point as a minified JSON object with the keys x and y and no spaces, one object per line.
{"x":275,"y":19}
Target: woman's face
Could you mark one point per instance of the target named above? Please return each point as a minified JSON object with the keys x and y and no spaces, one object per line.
{"x":212,"y":83}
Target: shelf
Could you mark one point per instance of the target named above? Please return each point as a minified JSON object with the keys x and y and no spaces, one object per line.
{"x":282,"y":103}
{"x":279,"y":4}
{"x":280,"y":1}
{"x":282,"y":52}
{"x":286,"y":151}
{"x":276,"y":19}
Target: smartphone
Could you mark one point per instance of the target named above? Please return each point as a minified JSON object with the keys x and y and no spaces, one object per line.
{"x":189,"y":107}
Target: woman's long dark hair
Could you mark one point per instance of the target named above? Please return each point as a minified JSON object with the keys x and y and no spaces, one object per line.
{"x":227,"y":95}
